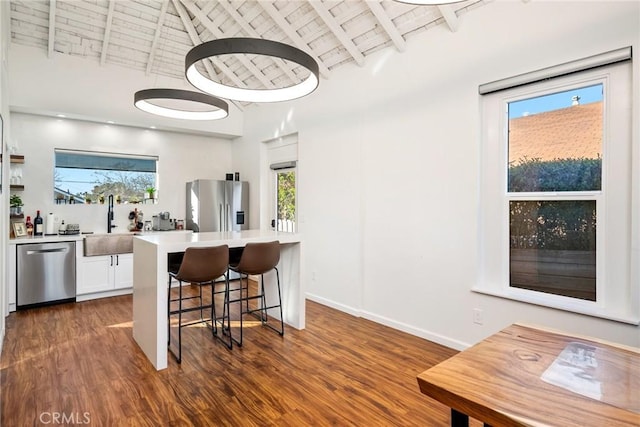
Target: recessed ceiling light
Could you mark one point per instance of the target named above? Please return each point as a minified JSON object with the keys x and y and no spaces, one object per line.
{"x":152,"y":127}
{"x":61,"y":115}
{"x":110,"y":122}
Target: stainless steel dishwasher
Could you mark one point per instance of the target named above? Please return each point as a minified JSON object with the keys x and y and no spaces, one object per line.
{"x":46,"y":273}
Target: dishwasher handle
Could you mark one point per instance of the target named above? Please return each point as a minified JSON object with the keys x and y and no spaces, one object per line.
{"x":46,"y":251}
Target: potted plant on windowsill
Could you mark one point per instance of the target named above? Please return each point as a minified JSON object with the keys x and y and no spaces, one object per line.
{"x":151,"y":193}
{"x":15,"y":203}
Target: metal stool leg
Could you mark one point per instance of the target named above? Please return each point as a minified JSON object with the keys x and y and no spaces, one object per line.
{"x":281,"y":331}
{"x":263,"y":301}
{"x":226,"y":312}
{"x":244,"y":288}
{"x":241,"y":312}
{"x":180,"y":324}
{"x":225,"y":329}
{"x":200,"y":295}
{"x":214,"y":326}
{"x":280,"y":302}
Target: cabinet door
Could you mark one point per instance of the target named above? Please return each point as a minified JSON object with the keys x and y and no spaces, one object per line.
{"x":123,"y":269}
{"x":95,"y":274}
{"x":11,"y":285}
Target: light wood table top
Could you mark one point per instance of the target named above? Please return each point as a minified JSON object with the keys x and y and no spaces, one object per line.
{"x":528,"y":376}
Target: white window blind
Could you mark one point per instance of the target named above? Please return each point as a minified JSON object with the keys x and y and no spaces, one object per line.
{"x":602,"y":59}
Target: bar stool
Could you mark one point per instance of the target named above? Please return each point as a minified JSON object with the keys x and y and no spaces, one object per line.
{"x":200,"y":266}
{"x":257,"y":258}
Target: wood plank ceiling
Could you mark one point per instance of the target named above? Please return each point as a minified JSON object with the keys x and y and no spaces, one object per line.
{"x":154,"y":36}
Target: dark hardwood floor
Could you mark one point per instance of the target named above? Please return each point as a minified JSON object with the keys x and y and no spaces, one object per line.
{"x":80,"y":361}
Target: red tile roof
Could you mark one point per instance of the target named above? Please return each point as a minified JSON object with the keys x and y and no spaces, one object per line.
{"x":572,"y":132}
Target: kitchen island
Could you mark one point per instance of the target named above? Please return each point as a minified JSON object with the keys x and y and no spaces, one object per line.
{"x":150,"y":281}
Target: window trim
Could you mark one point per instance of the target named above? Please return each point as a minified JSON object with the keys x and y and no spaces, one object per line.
{"x":576,"y":66}
{"x":614,"y":301}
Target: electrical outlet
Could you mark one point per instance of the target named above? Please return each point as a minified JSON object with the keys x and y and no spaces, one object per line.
{"x":477,"y":316}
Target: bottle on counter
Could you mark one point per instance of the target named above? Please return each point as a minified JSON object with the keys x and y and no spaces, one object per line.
{"x":38,"y":225}
{"x":29,"y":226}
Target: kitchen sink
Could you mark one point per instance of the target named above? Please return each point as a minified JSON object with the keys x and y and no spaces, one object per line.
{"x":108,"y":244}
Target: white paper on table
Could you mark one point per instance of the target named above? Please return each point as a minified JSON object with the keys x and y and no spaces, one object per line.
{"x":575,"y":370}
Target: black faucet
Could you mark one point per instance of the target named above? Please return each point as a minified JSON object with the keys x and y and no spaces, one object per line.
{"x":110,"y":214}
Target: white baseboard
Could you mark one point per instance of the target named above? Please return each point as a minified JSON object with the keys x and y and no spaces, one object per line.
{"x":329,"y":303}
{"x":96,"y":295}
{"x":418,"y":332}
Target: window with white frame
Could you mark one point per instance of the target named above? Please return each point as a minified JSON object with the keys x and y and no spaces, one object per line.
{"x":281,"y":155}
{"x":90,"y":176}
{"x":556,"y":190}
{"x":286,"y":198}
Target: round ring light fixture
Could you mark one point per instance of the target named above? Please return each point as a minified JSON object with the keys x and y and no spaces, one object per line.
{"x":245,"y":45}
{"x":215,"y":108}
{"x":429,"y":2}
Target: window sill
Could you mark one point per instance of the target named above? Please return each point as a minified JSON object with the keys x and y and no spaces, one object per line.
{"x":582,"y":307}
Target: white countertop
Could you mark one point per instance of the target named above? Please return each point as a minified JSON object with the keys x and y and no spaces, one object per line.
{"x":178,"y":241}
{"x":46,"y":239}
{"x":77,"y":237}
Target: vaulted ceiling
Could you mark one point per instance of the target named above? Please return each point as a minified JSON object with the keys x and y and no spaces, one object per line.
{"x":154,"y":36}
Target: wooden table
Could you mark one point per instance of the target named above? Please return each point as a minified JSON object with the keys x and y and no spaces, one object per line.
{"x":527,"y":376}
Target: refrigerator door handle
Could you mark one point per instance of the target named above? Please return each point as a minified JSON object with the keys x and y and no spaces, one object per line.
{"x":229,"y":225}
{"x":220,"y":217}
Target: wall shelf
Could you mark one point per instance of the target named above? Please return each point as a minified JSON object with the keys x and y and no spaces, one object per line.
{"x":14,"y":158}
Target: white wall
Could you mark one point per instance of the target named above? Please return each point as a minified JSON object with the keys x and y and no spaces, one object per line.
{"x":389,"y":166}
{"x":82,"y":88}
{"x":182,"y":158}
{"x":4,"y":197}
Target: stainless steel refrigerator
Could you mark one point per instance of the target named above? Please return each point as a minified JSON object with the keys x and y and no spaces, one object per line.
{"x":214,"y":205}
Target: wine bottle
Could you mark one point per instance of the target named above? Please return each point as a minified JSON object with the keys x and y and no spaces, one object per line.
{"x":38,"y":225}
{"x":29,"y":226}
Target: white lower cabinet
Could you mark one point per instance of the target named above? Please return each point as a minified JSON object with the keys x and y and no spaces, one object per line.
{"x":104,"y":273}
{"x":123,"y":271}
